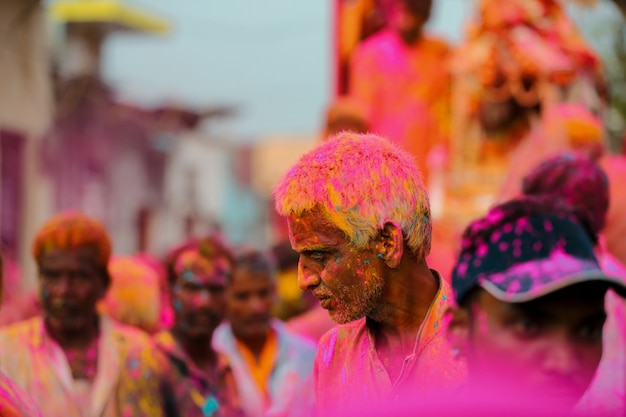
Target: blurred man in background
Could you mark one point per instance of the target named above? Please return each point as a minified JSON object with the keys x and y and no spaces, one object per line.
{"x":201,"y":381}
{"x":272,"y":367}
{"x":71,"y":360}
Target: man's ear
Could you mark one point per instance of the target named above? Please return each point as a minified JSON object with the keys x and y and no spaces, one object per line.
{"x":458,"y":329}
{"x":391,"y":247}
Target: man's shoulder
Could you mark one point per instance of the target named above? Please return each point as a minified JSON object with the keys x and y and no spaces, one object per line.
{"x":378,"y":43}
{"x":223,"y":339}
{"x":22,"y":330}
{"x":130,"y":335}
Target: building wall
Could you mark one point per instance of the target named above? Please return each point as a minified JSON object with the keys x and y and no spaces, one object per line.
{"x":26,"y":110}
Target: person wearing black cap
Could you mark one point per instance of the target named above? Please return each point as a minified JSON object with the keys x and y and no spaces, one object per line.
{"x":530,"y":305}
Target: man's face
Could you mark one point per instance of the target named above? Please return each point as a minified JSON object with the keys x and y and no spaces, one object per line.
{"x":70,"y":285}
{"x":348,"y":281}
{"x":547,"y":349}
{"x":198,"y":296}
{"x":407,"y":18}
{"x":251,"y":296}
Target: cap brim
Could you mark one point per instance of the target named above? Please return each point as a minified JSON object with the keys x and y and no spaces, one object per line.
{"x":543,"y":289}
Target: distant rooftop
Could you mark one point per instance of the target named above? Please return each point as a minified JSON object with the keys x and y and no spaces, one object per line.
{"x":118,"y":14}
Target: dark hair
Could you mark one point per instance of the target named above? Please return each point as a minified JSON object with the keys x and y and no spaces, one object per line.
{"x":256,"y":261}
{"x":576,"y":179}
{"x":421,"y":8}
{"x":285,"y":256}
{"x":211,"y":247}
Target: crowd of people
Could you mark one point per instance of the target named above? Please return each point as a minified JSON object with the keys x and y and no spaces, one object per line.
{"x":525,"y":317}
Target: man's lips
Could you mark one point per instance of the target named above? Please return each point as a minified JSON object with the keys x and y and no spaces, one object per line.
{"x":325,"y":300}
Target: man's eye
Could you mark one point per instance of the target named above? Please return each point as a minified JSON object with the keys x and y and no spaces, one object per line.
{"x":526,"y":328}
{"x":318,"y":255}
{"x":81,"y":276}
{"x":591,"y":332}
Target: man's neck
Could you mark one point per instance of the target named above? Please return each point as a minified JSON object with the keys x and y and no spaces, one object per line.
{"x":254,"y":343}
{"x":75,"y":339}
{"x":198,"y":349}
{"x":408,"y":298}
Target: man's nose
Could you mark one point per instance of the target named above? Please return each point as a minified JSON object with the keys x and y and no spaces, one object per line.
{"x":561,"y":357}
{"x":307,"y":277}
{"x":63,"y":285}
{"x":203,"y":298}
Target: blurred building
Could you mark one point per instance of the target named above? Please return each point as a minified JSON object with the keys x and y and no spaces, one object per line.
{"x":26,"y":107}
{"x":270,"y":160}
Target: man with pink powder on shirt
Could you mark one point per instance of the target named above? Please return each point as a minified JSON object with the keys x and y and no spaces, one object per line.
{"x":359,"y":216}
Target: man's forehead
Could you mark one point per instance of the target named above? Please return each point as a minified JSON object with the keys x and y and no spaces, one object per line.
{"x":82,"y":256}
{"x":573,"y":302}
{"x":314,"y":230}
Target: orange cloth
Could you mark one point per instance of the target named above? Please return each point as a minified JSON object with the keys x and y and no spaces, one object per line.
{"x":261,"y":369}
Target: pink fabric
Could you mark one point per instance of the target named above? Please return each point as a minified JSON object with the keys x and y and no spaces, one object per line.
{"x":349,"y":374}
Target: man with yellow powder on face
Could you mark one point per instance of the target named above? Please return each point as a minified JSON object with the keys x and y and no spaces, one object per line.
{"x":359,"y":216}
{"x":272,"y":367}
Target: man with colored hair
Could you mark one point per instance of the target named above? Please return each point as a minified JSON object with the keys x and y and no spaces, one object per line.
{"x":71,"y":360}
{"x":359,"y":216}
{"x":272,"y":367}
{"x":582,"y":183}
{"x":201,"y":380}
{"x":401,"y":77}
{"x":530,"y":295}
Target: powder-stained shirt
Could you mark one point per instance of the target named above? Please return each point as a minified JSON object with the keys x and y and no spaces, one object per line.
{"x":14,"y":402}
{"x":349,"y":374}
{"x":127,"y":383}
{"x":289,"y":391}
{"x":194,"y":392}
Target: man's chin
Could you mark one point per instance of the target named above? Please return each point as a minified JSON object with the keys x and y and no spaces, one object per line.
{"x":67,"y":325}
{"x":340,"y":317}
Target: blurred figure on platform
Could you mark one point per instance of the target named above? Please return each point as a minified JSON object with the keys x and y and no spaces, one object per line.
{"x":272,"y":367}
{"x":71,"y":360}
{"x":202,"y":381}
{"x":530,"y":295}
{"x":133,"y":298}
{"x":401,"y":78}
{"x":582,"y":183}
{"x":359,"y":217}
